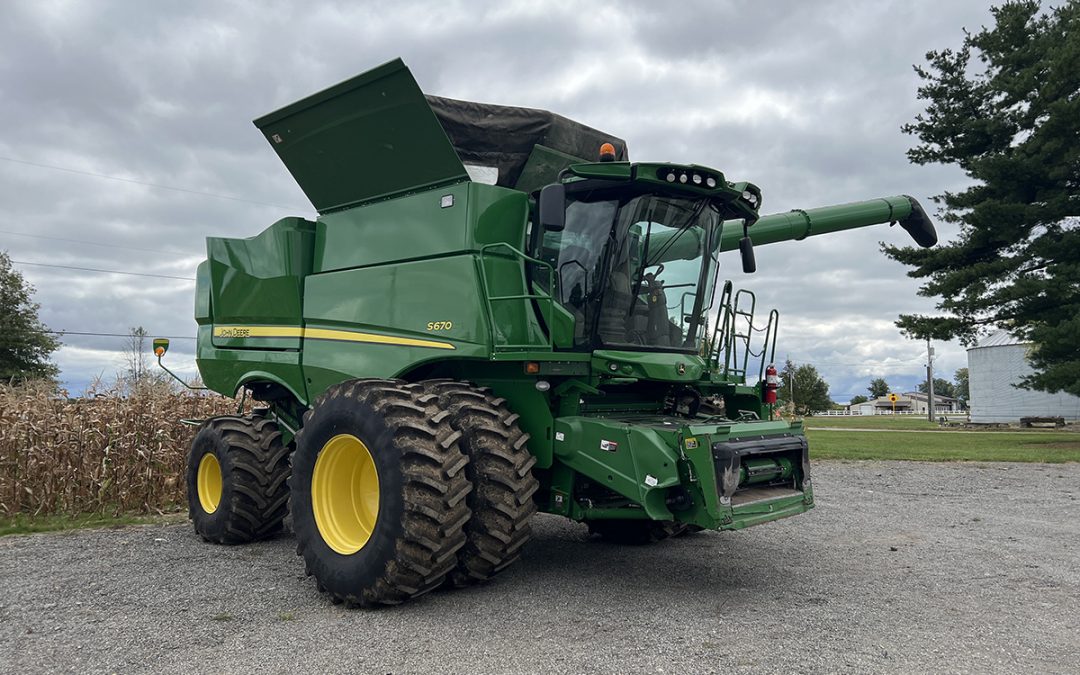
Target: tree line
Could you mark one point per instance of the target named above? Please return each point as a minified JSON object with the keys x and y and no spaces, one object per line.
{"x":957,"y":389}
{"x":27,"y":344}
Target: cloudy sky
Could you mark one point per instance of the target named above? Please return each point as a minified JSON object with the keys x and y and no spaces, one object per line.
{"x":127,"y":138}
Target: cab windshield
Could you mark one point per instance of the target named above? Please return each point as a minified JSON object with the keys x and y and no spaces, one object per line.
{"x":637,"y":272}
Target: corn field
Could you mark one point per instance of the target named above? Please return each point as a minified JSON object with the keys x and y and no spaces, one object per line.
{"x":104,"y":453}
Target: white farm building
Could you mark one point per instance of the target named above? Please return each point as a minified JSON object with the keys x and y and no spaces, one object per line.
{"x":995,"y":364}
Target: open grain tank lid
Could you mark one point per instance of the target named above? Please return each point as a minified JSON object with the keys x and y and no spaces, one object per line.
{"x":376,"y":135}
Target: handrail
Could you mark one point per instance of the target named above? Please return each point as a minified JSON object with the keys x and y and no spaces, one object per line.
{"x":712,"y":353}
{"x":734,"y":347}
{"x":489,"y":299}
{"x":748,"y":337}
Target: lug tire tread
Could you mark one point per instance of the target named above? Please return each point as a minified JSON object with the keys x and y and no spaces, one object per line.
{"x":260,"y":471}
{"x":435,"y":492}
{"x":500,"y":469}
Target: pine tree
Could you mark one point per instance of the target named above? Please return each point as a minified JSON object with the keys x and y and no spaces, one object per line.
{"x":1005,"y":108}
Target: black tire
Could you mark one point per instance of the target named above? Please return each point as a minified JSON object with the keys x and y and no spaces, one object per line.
{"x":636,"y":532}
{"x":500,"y":470}
{"x":254,"y":470}
{"x":422,"y":490}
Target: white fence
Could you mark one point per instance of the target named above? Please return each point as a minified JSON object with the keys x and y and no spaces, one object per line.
{"x":898,"y":413}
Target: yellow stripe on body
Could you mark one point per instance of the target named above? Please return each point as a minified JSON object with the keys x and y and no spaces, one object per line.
{"x":240,"y":332}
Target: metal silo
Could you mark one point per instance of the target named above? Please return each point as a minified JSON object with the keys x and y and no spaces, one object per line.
{"x":997,"y":363}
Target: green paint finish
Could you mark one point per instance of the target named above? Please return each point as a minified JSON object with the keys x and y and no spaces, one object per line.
{"x":698,"y":474}
{"x":603,"y":170}
{"x":583,"y":357}
{"x":435,"y":299}
{"x":226,"y":370}
{"x":760,"y":428}
{"x":375,"y":234}
{"x":563,"y":326}
{"x":366,"y":138}
{"x":799,"y":224}
{"x":259,"y":280}
{"x":764,"y":512}
{"x":659,"y":366}
{"x":691,"y":180}
{"x":496,"y":215}
{"x":510,"y":307}
{"x":643,"y":458}
{"x":636,"y":461}
{"x":202,"y":293}
{"x":437,"y":222}
{"x":327,"y":363}
{"x":543,"y":167}
{"x":754,"y":471}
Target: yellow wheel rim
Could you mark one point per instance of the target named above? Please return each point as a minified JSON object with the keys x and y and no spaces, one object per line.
{"x":345,"y":494}
{"x":209,"y":482}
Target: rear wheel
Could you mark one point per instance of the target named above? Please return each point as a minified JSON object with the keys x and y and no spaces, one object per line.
{"x":636,"y":532}
{"x":378,"y":492}
{"x":500,"y":470}
{"x":236,"y":480}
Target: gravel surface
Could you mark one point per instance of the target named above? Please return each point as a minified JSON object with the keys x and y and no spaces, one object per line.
{"x":902,"y":567}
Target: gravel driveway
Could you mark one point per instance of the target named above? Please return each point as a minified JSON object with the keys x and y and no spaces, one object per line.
{"x":901,"y":567}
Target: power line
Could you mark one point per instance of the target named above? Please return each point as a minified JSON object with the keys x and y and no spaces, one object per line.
{"x":93,"y":269}
{"x":123,"y":335}
{"x":93,"y":243}
{"x":14,"y":340}
{"x":874,"y":364}
{"x":147,"y":184}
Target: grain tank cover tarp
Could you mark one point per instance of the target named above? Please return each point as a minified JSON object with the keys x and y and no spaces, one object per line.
{"x":370,"y":136}
{"x":505,"y":137}
{"x":376,"y":135}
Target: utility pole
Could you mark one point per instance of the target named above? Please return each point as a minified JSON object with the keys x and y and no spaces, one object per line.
{"x":929,"y":381}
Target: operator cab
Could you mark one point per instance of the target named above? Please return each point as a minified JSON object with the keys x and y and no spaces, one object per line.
{"x":635,"y":262}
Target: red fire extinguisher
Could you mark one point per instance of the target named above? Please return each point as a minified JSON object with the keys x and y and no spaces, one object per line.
{"x":771,"y":384}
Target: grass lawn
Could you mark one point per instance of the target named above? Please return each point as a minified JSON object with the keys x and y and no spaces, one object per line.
{"x":26,"y":524}
{"x":1003,"y":446}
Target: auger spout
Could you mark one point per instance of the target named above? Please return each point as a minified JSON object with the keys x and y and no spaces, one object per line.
{"x":800,"y":224}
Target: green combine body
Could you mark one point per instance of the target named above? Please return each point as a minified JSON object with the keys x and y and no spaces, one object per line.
{"x":482,"y":323}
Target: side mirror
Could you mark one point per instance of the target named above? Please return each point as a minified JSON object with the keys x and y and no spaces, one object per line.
{"x":552,"y":207}
{"x":746,"y":250}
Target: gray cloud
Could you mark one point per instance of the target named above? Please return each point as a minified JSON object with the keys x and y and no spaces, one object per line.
{"x":803,"y":99}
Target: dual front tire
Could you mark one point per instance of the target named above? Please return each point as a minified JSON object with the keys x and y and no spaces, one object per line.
{"x":400,"y":488}
{"x":395,"y":488}
{"x":379,"y":493}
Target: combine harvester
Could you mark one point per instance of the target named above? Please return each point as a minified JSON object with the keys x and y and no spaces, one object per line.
{"x":483,"y":323}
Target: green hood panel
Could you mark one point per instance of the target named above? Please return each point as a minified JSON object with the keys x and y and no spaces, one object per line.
{"x":370,"y":136}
